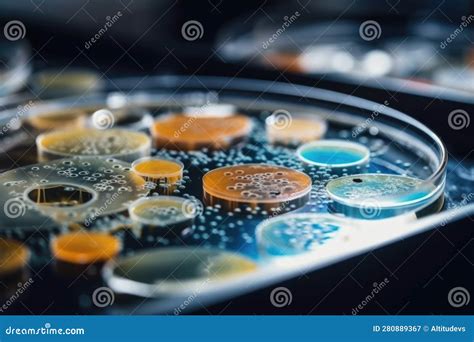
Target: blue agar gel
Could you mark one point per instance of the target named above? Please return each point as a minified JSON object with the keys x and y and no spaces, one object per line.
{"x":332,"y":156}
{"x":334,"y":153}
{"x":377,"y":196}
{"x":294,"y":234}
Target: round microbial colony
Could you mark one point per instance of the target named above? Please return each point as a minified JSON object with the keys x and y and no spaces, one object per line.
{"x":85,"y":247}
{"x":187,"y":133}
{"x":333,"y":154}
{"x":116,"y":143}
{"x":294,"y":234}
{"x":375,"y":196}
{"x":269,"y":187}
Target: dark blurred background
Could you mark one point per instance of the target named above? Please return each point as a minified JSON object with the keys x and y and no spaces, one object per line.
{"x":147,"y":37}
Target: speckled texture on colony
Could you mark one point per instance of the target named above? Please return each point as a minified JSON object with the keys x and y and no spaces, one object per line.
{"x":294,"y":234}
{"x":255,"y":183}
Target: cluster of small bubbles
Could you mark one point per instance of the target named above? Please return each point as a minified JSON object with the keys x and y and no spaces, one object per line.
{"x":216,"y":226}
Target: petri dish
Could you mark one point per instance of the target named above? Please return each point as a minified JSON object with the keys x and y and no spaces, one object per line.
{"x":85,"y":247}
{"x":13,"y":256}
{"x":264,"y":186}
{"x":73,"y":81}
{"x":159,"y":170}
{"x":111,"y":143}
{"x":398,"y":144}
{"x":294,"y":129}
{"x":165,"y":211}
{"x":334,"y":154}
{"x":175,"y":271}
{"x":64,"y":119}
{"x":377,"y":196}
{"x":298,"y":233}
{"x":188,"y":133}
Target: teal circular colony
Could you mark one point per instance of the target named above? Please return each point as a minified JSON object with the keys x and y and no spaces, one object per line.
{"x":334,"y":154}
{"x":377,"y":196}
{"x":297,"y":233}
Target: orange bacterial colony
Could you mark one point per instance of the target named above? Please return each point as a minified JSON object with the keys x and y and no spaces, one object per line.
{"x":256,"y":185}
{"x":158,"y":170}
{"x":189,"y":133}
{"x":294,"y":129}
{"x":58,"y":120}
{"x":85,"y":247}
